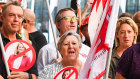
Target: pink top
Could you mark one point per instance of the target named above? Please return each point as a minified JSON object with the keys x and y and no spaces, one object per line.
{"x":25,"y":61}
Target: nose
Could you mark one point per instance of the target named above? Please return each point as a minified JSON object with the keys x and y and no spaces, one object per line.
{"x":70,"y":45}
{"x":16,"y":18}
{"x":126,"y":34}
{"x":72,"y":20}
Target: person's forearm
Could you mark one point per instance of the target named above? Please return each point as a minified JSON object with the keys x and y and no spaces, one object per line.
{"x":34,"y":76}
{"x":119,"y":76}
{"x":84,"y":12}
{"x":1,"y":77}
{"x":88,"y":5}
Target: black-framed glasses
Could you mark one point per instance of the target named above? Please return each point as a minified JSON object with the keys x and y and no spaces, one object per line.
{"x":68,"y":18}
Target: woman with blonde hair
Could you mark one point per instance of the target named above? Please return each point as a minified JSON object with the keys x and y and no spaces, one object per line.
{"x":125,"y":36}
{"x":21,"y":62}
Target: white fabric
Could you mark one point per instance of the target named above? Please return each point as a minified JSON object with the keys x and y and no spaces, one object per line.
{"x":17,"y":62}
{"x":50,"y":71}
{"x":97,"y":57}
{"x":94,"y":20}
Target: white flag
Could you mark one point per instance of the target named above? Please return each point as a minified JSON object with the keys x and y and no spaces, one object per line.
{"x":95,"y":64}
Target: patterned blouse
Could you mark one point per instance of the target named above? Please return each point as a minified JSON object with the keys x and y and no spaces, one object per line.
{"x":50,"y":71}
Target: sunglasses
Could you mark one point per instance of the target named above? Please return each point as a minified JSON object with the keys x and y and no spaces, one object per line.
{"x":24,"y":21}
{"x":68,"y":18}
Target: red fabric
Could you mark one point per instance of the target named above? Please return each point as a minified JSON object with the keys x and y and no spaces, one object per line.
{"x":20,"y":0}
{"x":85,"y":21}
{"x":25,"y":61}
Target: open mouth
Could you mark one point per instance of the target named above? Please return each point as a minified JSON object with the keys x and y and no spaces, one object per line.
{"x":72,"y":26}
{"x":71,"y":52}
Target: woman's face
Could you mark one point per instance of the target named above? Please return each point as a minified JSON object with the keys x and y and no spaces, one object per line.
{"x":70,"y":48}
{"x":66,"y":74}
{"x":126,"y":35}
{"x":21,"y":48}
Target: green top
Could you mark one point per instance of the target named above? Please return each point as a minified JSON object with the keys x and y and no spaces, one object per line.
{"x":113,"y":64}
{"x":21,"y":38}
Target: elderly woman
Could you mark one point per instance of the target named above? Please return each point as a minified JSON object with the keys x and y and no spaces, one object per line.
{"x":125,"y":36}
{"x":69,"y":46}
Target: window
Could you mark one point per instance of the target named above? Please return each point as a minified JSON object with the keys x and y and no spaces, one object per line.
{"x":132,"y":6}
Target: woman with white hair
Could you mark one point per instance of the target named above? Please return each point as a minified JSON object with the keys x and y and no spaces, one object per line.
{"x":69,"y":46}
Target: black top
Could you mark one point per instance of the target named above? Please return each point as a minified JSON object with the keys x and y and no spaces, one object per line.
{"x":39,"y":39}
{"x":32,"y":70}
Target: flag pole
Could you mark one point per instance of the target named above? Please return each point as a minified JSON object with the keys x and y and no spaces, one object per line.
{"x":79,"y":14}
{"x":4,"y":56}
{"x":108,"y":63}
{"x":113,"y":18}
{"x":52,"y":25}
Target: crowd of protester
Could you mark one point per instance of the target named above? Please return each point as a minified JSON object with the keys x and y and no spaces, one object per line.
{"x":71,"y":50}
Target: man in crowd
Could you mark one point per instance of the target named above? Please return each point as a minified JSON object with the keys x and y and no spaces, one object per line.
{"x":2,"y":3}
{"x":12,"y":16}
{"x":84,"y":30}
{"x":29,"y":25}
{"x":136,"y":18}
{"x":65,"y":20}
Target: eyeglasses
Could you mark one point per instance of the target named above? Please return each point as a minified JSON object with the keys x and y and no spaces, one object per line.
{"x":68,"y":18}
{"x":24,"y":21}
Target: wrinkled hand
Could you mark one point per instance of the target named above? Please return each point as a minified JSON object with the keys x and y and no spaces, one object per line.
{"x":19,"y":75}
{"x":58,"y":60}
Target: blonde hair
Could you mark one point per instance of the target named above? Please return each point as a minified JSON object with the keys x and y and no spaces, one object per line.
{"x":129,"y":21}
{"x":16,"y":50}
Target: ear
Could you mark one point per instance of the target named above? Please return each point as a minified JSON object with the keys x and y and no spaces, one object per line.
{"x":117,"y":35}
{"x":28,"y":21}
{"x":80,"y":47}
{"x":60,"y":51}
{"x":1,"y":17}
{"x":57,"y":25}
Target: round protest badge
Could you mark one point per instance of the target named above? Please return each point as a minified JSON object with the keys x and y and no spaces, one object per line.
{"x":20,"y":55}
{"x":67,"y":73}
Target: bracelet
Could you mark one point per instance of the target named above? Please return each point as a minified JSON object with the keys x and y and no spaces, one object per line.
{"x":30,"y":76}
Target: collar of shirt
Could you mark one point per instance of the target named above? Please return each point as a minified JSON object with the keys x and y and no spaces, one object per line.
{"x":6,"y":40}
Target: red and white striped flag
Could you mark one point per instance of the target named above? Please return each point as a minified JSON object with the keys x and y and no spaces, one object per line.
{"x":96,"y":63}
{"x":23,"y":3}
{"x":97,"y":9}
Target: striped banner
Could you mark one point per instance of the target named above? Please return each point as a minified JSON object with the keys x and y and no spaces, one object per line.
{"x":96,"y":63}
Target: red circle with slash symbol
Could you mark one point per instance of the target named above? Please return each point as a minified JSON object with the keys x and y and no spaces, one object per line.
{"x":30,"y":52}
{"x":72,"y":75}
